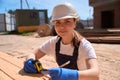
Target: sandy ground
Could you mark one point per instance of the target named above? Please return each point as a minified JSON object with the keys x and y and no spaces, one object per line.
{"x":108,"y":54}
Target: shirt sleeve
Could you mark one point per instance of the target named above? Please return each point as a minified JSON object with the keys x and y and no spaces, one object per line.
{"x":88,"y":49}
{"x":49,"y":46}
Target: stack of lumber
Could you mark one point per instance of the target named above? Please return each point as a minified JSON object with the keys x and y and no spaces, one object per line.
{"x":11,"y":68}
{"x":102,"y":36}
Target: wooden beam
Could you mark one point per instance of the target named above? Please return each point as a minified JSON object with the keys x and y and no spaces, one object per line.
{"x":12,"y":68}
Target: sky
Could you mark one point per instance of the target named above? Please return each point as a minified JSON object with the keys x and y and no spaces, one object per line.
{"x":82,"y":6}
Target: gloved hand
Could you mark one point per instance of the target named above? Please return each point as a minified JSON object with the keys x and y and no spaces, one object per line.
{"x":29,"y":66}
{"x":63,"y":74}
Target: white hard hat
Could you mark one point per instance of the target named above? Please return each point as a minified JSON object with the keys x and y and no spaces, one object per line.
{"x":64,"y":10}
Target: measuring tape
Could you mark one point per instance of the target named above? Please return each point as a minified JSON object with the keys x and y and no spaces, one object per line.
{"x":38,"y":66}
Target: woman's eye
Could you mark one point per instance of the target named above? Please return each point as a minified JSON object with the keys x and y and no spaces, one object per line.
{"x":68,"y":22}
{"x":57,"y":23}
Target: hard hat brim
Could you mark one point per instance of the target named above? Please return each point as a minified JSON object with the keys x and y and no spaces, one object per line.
{"x":61,"y":18}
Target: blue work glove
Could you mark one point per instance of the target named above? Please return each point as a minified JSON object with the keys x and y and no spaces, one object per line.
{"x":29,"y":66}
{"x":63,"y":74}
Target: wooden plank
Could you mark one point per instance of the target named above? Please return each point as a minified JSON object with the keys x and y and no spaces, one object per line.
{"x":3,"y":76}
{"x":12,"y":67}
{"x":10,"y":59}
{"x":104,"y":39}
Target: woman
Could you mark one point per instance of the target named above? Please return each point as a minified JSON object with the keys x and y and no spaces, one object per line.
{"x":68,"y":45}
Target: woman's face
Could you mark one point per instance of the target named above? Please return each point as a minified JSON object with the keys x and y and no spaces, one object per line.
{"x":64,"y":27}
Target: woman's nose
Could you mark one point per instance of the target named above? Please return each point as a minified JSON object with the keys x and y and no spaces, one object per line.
{"x":62,"y":26}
